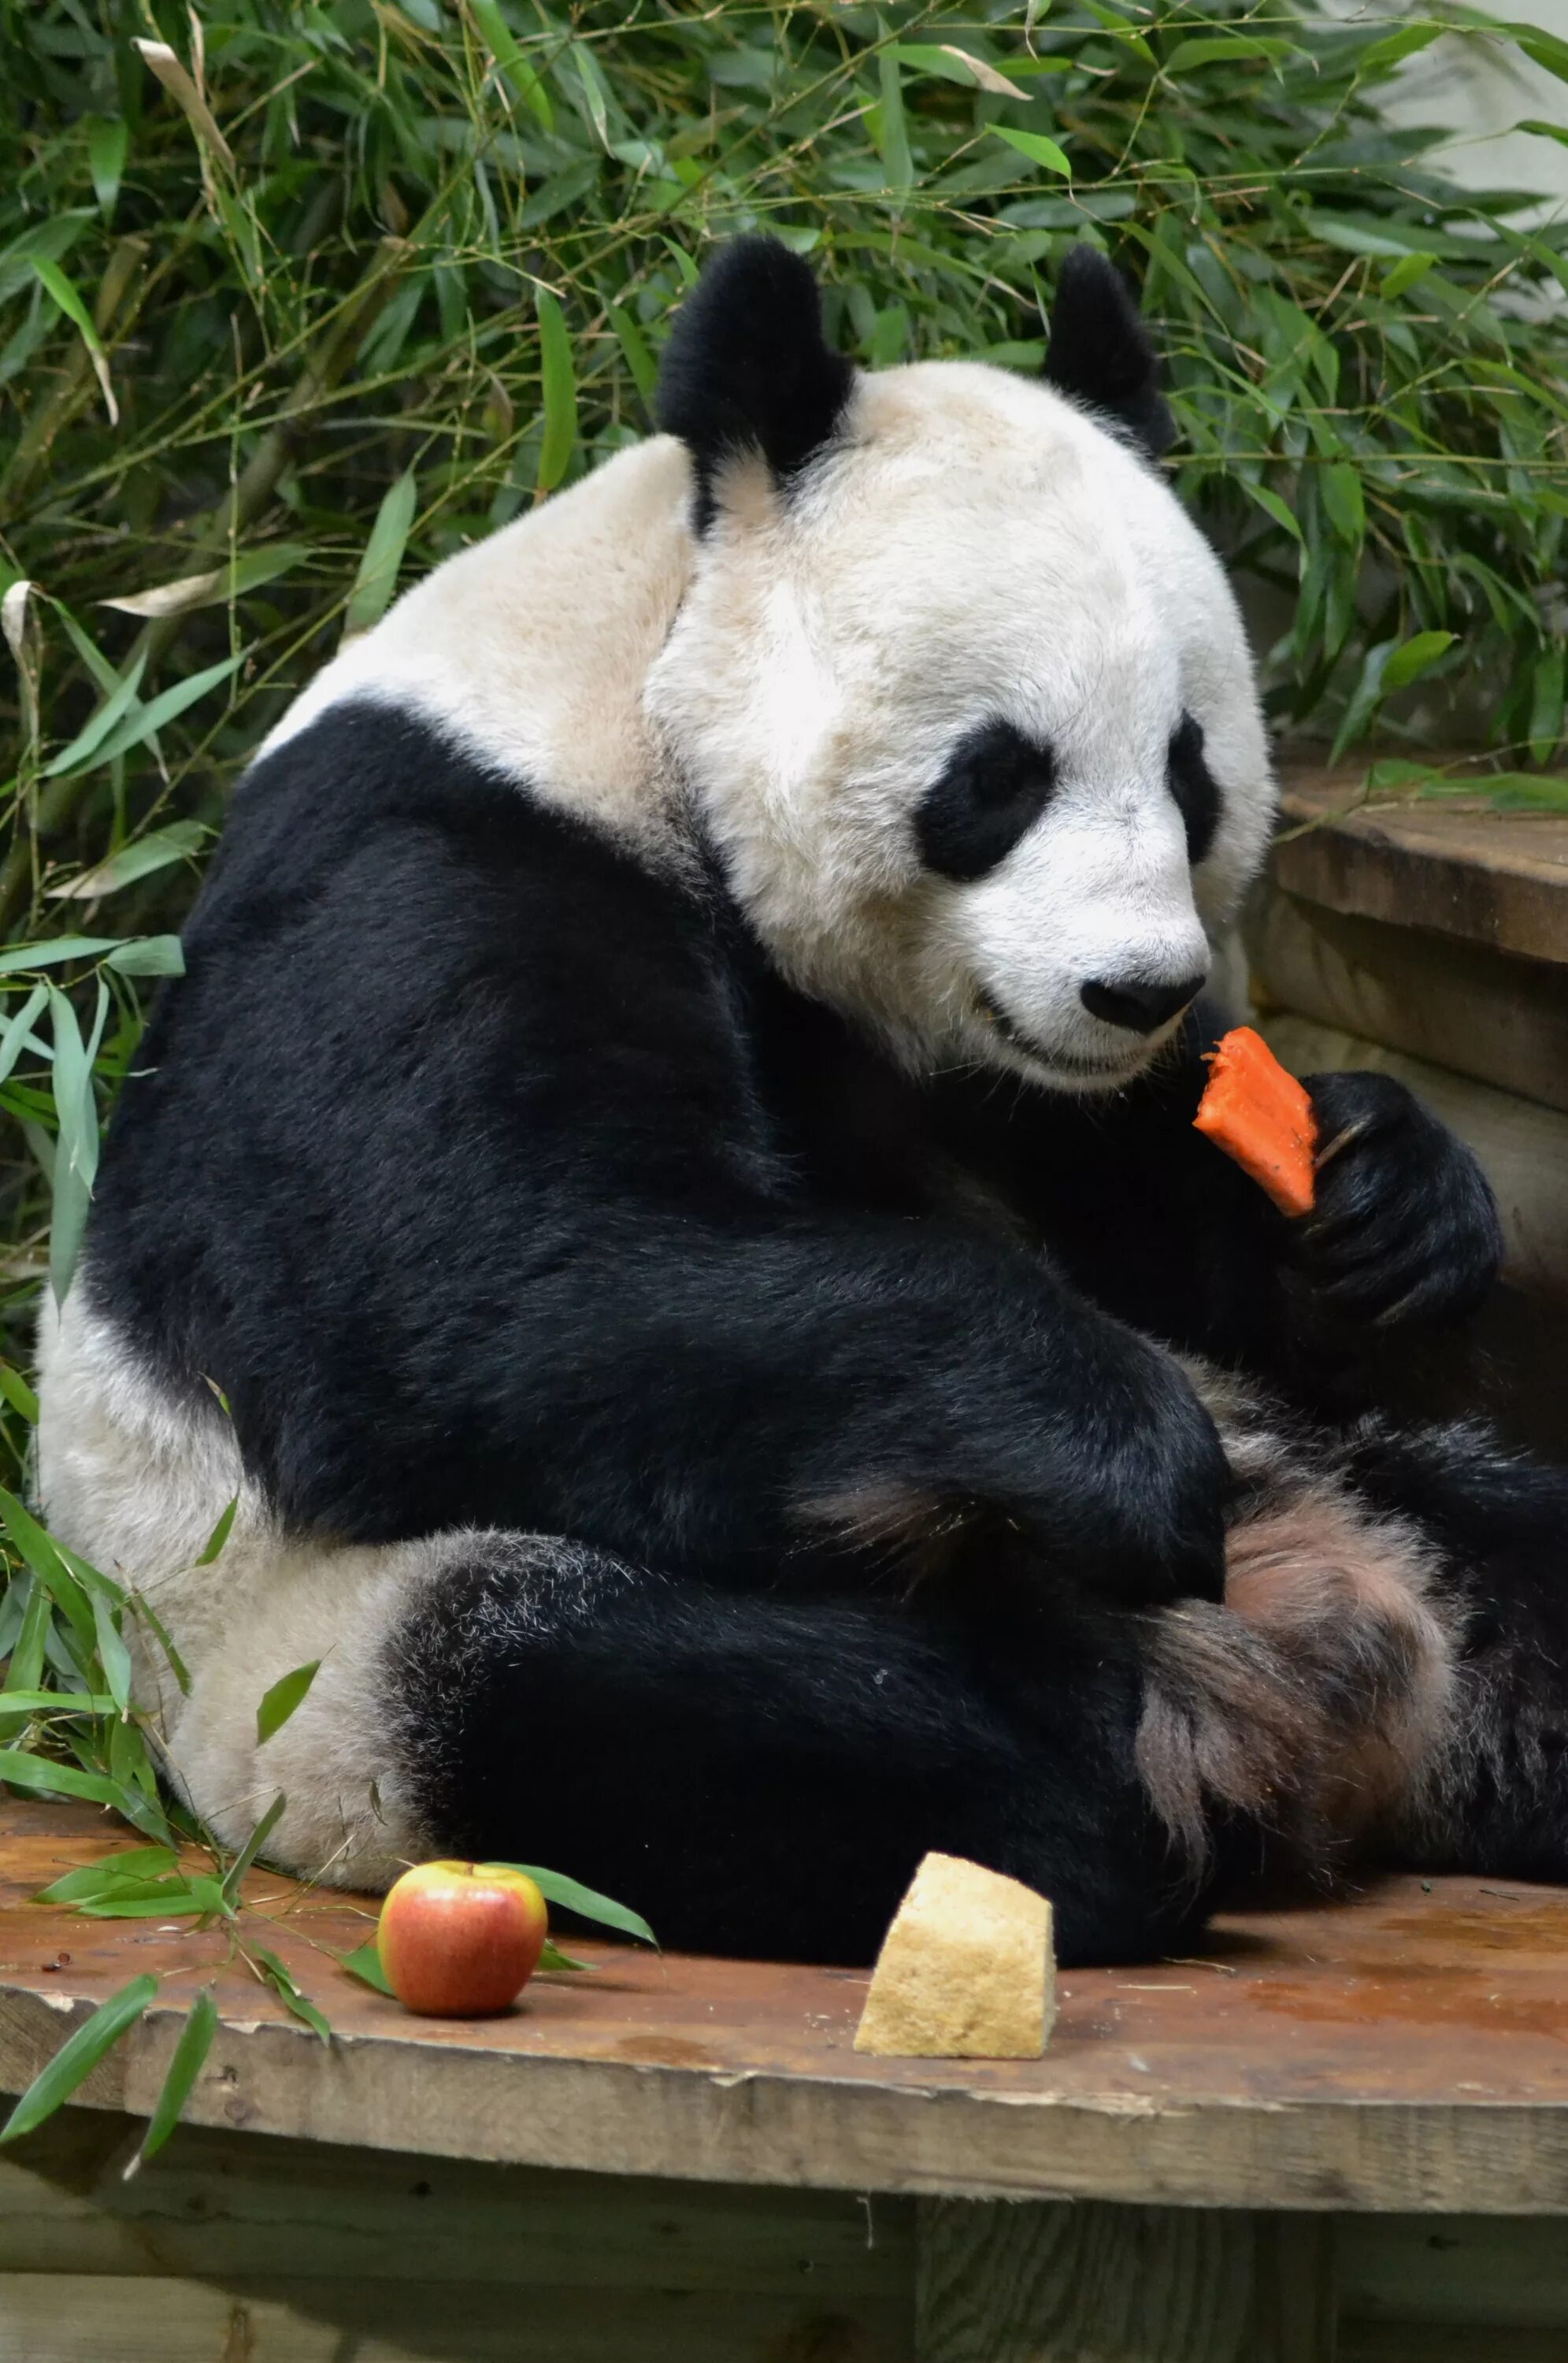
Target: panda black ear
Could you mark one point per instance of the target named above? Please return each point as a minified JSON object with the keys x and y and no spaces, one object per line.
{"x":1101,"y":354}
{"x":746,"y":367}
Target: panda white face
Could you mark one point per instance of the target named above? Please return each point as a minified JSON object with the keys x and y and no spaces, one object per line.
{"x":967,"y":708}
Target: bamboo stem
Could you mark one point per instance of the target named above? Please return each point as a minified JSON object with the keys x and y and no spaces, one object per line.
{"x":233,"y":515}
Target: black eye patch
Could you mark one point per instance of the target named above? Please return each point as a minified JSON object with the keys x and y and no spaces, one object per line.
{"x":995,"y":787}
{"x":1192,"y":785}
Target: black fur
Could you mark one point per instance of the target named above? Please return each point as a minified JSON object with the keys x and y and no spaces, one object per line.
{"x":746,"y":367}
{"x":1499,"y":1807}
{"x":1194,"y":787}
{"x":762,"y":1776}
{"x":994,"y":786}
{"x":1147,"y":1218}
{"x":480,"y":1092}
{"x":500,"y":1183}
{"x":1101,"y":352}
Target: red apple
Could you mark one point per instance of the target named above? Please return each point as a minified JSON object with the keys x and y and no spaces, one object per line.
{"x":460,"y":1939}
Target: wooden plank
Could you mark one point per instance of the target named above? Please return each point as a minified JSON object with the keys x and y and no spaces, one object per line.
{"x":1490,"y":877}
{"x":1400,"y":2048}
{"x":46,"y":2320}
{"x":1105,"y":2284}
{"x":237,"y":2208}
{"x":1523,"y":1146}
{"x":1505,"y":2271}
{"x":1365,"y":2342}
{"x":1481,"y":1013}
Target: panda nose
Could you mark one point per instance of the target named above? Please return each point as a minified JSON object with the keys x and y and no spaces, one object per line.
{"x":1138,"y":1007}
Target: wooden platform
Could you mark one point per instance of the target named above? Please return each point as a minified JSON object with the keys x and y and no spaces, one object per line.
{"x":1403,"y":2049}
{"x":1407,"y":2048}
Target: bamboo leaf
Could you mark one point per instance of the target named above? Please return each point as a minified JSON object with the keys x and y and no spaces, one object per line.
{"x":954,"y":64}
{"x":16,"y":1035}
{"x":96,"y":729}
{"x":559,"y":387}
{"x":300,"y":2003}
{"x":176,"y":79}
{"x":375,"y":584}
{"x":366,"y":1963}
{"x":219,"y":1534}
{"x":1227,"y":48}
{"x":63,"y":294}
{"x":1404,"y":274}
{"x":552,"y":1957}
{"x":77,"y":2057}
{"x":595,"y":93}
{"x":281,"y":1701}
{"x":43,"y":1775}
{"x":26,"y":957}
{"x":158,"y":851}
{"x":108,"y":138}
{"x":1549,"y":682}
{"x":514,"y":66}
{"x":1273,"y":506}
{"x":25,"y":1669}
{"x":634,"y":347}
{"x":572,"y":1896}
{"x":216,"y":586}
{"x":1035,"y":146}
{"x":128,"y":1869}
{"x":190,"y":2059}
{"x":42,"y":1554}
{"x":156,"y":1626}
{"x":1413,"y":658}
{"x":13,"y":1386}
{"x":895,"y":140}
{"x":55,"y":1702}
{"x":147,"y":955}
{"x":252,"y":1847}
{"x":1343,"y":501}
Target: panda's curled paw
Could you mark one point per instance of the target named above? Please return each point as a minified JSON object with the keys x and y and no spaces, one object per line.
{"x":1157,"y":1497}
{"x":1405,"y":1228}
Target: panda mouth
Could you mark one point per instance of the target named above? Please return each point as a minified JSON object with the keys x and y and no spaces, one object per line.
{"x":1059,"y":1062}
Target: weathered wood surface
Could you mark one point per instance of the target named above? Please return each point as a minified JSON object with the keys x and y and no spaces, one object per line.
{"x":1107,"y":2284}
{"x":240,"y":2248}
{"x":1404,"y":2049}
{"x":1486,"y":1013}
{"x":233,"y":2248}
{"x":1497,"y":878}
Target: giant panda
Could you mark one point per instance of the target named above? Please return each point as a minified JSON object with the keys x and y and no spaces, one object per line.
{"x":667,"y":1193}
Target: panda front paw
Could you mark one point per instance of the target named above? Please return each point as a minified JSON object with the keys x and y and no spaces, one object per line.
{"x":1159,"y":1484}
{"x":1406,"y":1228}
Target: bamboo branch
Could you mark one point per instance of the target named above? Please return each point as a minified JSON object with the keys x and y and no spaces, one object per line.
{"x":234,"y":515}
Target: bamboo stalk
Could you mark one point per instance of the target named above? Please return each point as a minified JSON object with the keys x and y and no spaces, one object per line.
{"x":233,"y":515}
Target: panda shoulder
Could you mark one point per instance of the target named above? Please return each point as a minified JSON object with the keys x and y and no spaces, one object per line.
{"x":526,"y":652}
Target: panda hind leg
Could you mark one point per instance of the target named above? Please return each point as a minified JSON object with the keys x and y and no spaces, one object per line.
{"x":760,"y":1777}
{"x":1388,"y":1676}
{"x":1498,"y":1521}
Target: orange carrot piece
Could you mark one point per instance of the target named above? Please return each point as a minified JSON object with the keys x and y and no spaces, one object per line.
{"x":1260,"y":1115}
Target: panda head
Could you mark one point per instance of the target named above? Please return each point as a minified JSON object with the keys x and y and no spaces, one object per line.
{"x":961,"y":695}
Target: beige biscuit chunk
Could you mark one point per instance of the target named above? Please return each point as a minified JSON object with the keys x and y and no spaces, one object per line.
{"x":966,"y":1972}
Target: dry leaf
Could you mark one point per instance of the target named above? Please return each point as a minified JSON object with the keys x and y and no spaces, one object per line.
{"x":986,"y":75}
{"x":177,"y":82}
{"x":21,"y":622}
{"x":171,"y":598}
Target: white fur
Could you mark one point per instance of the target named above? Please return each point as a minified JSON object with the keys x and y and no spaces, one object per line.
{"x":137,"y":1482}
{"x":530,"y":648}
{"x":976,"y":548}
